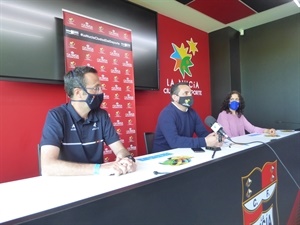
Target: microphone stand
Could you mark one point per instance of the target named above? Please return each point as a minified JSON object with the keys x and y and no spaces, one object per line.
{"x":215,"y":149}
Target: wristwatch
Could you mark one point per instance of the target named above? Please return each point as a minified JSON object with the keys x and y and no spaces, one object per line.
{"x":130,"y":157}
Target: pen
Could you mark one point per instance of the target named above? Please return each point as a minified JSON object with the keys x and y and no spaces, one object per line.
{"x":156,"y":172}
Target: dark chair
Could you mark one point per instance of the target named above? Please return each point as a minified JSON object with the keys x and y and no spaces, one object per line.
{"x":149,"y":138}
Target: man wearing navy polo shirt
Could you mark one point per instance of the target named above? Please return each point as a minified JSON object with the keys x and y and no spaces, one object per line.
{"x":74,"y":133}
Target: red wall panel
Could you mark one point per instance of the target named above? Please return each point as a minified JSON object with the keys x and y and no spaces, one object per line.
{"x":22,"y":114}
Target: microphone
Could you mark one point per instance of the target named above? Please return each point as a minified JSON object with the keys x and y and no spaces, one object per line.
{"x":212,"y":123}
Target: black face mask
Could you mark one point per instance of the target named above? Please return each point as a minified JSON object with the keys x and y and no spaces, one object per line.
{"x":93,"y":100}
{"x":186,"y":101}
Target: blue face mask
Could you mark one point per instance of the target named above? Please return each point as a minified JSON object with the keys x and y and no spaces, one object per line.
{"x":234,"y":105}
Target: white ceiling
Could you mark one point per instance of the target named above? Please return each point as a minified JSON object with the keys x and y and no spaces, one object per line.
{"x":189,"y":16}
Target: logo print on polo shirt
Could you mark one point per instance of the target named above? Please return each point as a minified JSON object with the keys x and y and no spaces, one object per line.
{"x":73,"y":128}
{"x":95,"y":127}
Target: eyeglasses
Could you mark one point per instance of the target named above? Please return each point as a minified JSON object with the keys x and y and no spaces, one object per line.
{"x":186,"y":93}
{"x":95,"y":89}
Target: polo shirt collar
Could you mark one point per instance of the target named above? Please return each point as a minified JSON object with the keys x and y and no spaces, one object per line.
{"x":91,"y":116}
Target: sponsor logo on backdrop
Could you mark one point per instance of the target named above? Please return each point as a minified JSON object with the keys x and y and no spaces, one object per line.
{"x":102,"y":69}
{"x":101,"y":29}
{"x":88,"y":64}
{"x":116,"y":79}
{"x":129,"y":114}
{"x":116,"y":88}
{"x":131,"y":148}
{"x":107,"y":151}
{"x":117,"y":105}
{"x":118,"y":123}
{"x":130,"y":131}
{"x":115,"y":62}
{"x":72,"y":55}
{"x":87,"y":48}
{"x":103,"y":87}
{"x":72,"y":44}
{"x":116,"y":96}
{"x":128,"y":88}
{"x":129,"y":122}
{"x":128,"y":97}
{"x":129,"y":105}
{"x":259,"y":199}
{"x":117,"y":114}
{"x":102,"y":51}
{"x":104,"y":105}
{"x":88,"y":57}
{"x":126,"y":45}
{"x":115,"y":71}
{"x":183,"y":63}
{"x":119,"y":131}
{"x":86,"y":25}
{"x":72,"y":32}
{"x":102,"y":60}
{"x":127,"y":81}
{"x":71,"y":21}
{"x":103,"y":78}
{"x":113,"y":33}
{"x":114,"y":53}
{"x":131,"y":139}
{"x":127,"y":64}
{"x":127,"y":72}
{"x":106,"y":159}
{"x":72,"y":64}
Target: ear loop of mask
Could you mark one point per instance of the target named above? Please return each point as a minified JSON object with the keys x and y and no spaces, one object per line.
{"x":80,"y":84}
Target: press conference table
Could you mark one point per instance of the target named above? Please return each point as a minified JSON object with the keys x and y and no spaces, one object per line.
{"x":204,"y":191}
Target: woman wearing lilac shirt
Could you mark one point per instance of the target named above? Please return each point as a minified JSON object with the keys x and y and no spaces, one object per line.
{"x":233,"y":121}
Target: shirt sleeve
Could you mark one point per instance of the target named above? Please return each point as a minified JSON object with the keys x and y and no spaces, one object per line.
{"x":167,"y":122}
{"x":52,"y":133}
{"x":223,"y":120}
{"x":251,"y":128}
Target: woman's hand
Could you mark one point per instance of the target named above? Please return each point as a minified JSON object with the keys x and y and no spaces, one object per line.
{"x":271,"y":131}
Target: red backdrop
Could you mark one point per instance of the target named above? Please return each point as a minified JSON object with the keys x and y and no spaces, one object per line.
{"x":114,"y":63}
{"x":24,"y":105}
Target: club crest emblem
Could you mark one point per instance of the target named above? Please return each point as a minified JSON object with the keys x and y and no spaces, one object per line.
{"x":259,"y":200}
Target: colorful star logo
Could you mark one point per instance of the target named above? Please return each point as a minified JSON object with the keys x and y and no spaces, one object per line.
{"x":183,"y":60}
